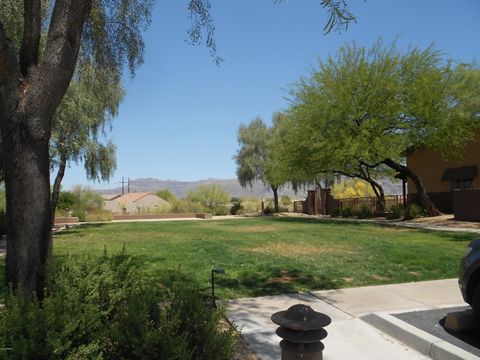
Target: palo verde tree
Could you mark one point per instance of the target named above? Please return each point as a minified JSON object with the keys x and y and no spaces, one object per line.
{"x":80,"y":123}
{"x":34,"y":77}
{"x":370,"y":107}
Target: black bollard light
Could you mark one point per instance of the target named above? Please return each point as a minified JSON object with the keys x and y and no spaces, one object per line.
{"x":301,"y":329}
{"x":215,"y":271}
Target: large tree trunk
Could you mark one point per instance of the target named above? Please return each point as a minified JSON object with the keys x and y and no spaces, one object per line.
{"x":421,"y":191}
{"x":57,"y":184}
{"x":27,"y":187}
{"x":275,"y":198}
{"x":30,"y":92}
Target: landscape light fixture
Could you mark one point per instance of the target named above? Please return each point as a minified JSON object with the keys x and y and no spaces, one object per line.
{"x":215,"y":271}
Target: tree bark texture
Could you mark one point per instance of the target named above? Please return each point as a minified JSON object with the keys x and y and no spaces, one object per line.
{"x":421,"y":191}
{"x":379,"y":193}
{"x":275,"y":198}
{"x":57,"y":184}
{"x":29,"y":96}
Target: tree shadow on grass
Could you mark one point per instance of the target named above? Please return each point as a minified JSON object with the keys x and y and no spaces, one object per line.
{"x":274,"y":281}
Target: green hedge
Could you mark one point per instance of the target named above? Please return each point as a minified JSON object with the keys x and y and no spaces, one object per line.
{"x":99,"y":308}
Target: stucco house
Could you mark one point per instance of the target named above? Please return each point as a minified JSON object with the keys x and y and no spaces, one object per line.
{"x":453,"y":185}
{"x":134,"y":203}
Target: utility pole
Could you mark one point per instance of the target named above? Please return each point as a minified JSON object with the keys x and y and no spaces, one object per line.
{"x":128,"y":186}
{"x":123,"y":185}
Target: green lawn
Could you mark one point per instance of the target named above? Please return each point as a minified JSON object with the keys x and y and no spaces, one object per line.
{"x":274,"y":255}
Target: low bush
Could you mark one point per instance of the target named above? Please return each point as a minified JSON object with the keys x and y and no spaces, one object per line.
{"x":236,"y":208}
{"x":414,"y":211}
{"x":337,"y":212}
{"x":347,"y":212}
{"x":219,"y":211}
{"x":99,"y":308}
{"x":187,"y":206}
{"x":81,"y":214}
{"x":396,"y":212}
{"x":98,"y":215}
{"x":365,"y":212}
{"x":268,"y":210}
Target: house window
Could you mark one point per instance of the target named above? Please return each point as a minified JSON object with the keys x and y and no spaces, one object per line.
{"x":462,"y":184}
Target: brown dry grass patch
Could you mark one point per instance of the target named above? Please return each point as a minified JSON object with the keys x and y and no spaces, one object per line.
{"x":245,"y":229}
{"x":292,"y":250}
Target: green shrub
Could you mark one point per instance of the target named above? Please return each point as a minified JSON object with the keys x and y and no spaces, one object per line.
{"x":99,"y":308}
{"x":220,"y":211}
{"x":337,"y":212}
{"x":347,"y":212}
{"x":365,"y":212}
{"x":187,"y":206}
{"x":81,"y":214}
{"x":285,"y":200}
{"x":268,"y":210}
{"x":396,"y":212}
{"x":414,"y":211}
{"x":98,"y":215}
{"x":236,"y":208}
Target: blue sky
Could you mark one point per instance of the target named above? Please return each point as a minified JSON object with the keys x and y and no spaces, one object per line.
{"x":181,"y":112}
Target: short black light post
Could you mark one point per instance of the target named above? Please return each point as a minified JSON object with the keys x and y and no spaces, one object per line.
{"x":301,"y":329}
{"x":215,"y":271}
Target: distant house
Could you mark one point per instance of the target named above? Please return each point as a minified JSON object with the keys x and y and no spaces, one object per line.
{"x":134,"y":203}
{"x":453,"y":186}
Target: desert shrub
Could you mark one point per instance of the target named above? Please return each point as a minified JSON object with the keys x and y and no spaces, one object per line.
{"x":236,"y":208}
{"x":98,"y":215}
{"x":220,"y":211}
{"x":186,"y":206}
{"x":337,"y":212}
{"x":365,"y":212}
{"x":67,"y":201}
{"x":80,"y":213}
{"x":347,"y":212}
{"x":396,"y":212}
{"x":285,"y":200}
{"x":414,"y":211}
{"x":211,"y":196}
{"x":99,"y":308}
{"x":251,"y":205}
{"x":268,"y":210}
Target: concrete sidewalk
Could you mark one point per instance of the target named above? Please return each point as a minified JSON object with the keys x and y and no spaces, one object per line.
{"x":349,"y":336}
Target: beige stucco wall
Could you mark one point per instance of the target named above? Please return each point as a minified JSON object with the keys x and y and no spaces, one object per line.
{"x":145,"y":205}
{"x":430,"y":165}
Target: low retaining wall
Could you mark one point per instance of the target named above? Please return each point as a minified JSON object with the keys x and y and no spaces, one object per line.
{"x":162,"y":216}
{"x":66,"y":220}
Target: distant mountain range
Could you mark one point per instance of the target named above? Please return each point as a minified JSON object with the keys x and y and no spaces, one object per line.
{"x":181,"y":188}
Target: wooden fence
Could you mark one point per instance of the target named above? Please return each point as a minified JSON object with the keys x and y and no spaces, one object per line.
{"x":355,"y":204}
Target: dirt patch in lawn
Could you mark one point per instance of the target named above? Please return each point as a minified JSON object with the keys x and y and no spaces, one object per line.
{"x":292,"y":250}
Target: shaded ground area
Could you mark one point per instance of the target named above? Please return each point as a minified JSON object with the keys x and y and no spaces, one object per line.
{"x":432,"y":321}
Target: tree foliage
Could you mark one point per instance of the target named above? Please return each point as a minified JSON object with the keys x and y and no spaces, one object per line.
{"x":363,"y":110}
{"x":213,"y":197}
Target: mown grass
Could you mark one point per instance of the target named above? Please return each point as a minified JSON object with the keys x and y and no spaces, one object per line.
{"x":265,"y":256}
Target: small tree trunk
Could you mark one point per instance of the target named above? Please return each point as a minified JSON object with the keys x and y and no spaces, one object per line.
{"x":27,"y":184}
{"x":379,"y":193}
{"x":421,"y":191}
{"x":275,"y":198}
{"x":57,"y":184}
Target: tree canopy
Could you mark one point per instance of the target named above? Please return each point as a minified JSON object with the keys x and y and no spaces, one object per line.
{"x":364,"y":109}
